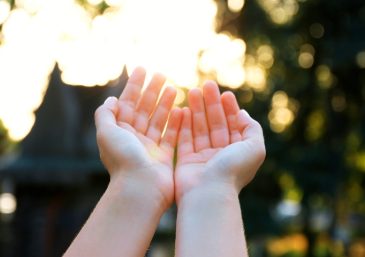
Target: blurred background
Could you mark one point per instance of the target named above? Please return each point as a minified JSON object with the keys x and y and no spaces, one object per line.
{"x":297,"y":66}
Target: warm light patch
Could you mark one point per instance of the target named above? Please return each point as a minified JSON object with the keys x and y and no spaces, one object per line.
{"x":227,"y":64}
{"x":315,"y":125}
{"x":7,"y":203}
{"x":360,"y":59}
{"x":286,"y":245}
{"x":324,"y":76}
{"x":256,"y":78}
{"x":4,"y":11}
{"x":93,"y":49}
{"x":235,"y":5}
{"x":280,"y":12}
{"x":265,"y":56}
{"x":306,"y":56}
{"x":282,"y":113}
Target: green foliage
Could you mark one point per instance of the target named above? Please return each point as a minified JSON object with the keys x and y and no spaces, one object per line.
{"x":323,"y":150}
{"x":5,"y":142}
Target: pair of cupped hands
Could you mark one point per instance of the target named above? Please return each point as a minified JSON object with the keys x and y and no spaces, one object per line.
{"x":219,"y":147}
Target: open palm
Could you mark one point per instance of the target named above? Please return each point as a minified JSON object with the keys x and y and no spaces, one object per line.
{"x":218,"y":143}
{"x":132,"y":145}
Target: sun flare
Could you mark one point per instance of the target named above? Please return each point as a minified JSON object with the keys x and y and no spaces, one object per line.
{"x":177,"y":38}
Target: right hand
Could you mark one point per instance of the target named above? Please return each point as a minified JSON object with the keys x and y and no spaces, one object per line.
{"x":219,"y":145}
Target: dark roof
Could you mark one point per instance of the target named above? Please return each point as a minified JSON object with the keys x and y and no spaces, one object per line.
{"x":61,"y":147}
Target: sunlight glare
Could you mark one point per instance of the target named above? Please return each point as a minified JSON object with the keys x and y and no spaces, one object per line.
{"x":93,"y":49}
{"x":235,"y":5}
{"x":256,"y":78}
{"x":4,"y":11}
{"x":7,"y":203}
{"x":280,"y":12}
{"x":282,"y":113}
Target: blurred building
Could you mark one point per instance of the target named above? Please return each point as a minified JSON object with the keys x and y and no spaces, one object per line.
{"x":56,"y":175}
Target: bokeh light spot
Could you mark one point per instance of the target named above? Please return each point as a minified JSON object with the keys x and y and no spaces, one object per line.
{"x":265,"y":56}
{"x":235,"y":5}
{"x":360,"y":59}
{"x":282,"y":113}
{"x":305,"y":60}
{"x":280,"y":12}
{"x":315,"y":125}
{"x":256,"y":78}
{"x":7,"y":203}
{"x":324,"y":76}
{"x":316,"y":30}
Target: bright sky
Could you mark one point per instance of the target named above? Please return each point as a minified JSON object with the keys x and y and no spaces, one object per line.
{"x":177,"y":38}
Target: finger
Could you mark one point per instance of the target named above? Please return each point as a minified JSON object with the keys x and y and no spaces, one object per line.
{"x":185,"y":138}
{"x":105,"y":115}
{"x":147,"y":103}
{"x":130,"y":95}
{"x":248,"y":127}
{"x":200,"y":124}
{"x":231,"y":110}
{"x":159,"y":117}
{"x":132,"y":90}
{"x":169,"y":138}
{"x":218,"y":128}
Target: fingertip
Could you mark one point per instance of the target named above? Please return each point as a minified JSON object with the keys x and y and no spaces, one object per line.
{"x":138,"y":75}
{"x":195,"y":99}
{"x":186,"y":111}
{"x":168,"y":96}
{"x":210,"y":84}
{"x":211,"y":92}
{"x":244,"y":120}
{"x":158,"y":78}
{"x":171,"y":90}
{"x":244,"y":113}
{"x":106,"y":113}
{"x":228,"y":96}
{"x":110,"y":102}
{"x":230,"y":104}
{"x":176,"y":111}
{"x":176,"y":117}
{"x":138,"y":70}
{"x":186,"y":117}
{"x":195,"y":91}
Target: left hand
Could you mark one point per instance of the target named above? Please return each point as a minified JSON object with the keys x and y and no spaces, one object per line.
{"x":133,"y":147}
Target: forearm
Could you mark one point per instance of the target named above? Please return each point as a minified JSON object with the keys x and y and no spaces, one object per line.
{"x":209,"y":223}
{"x":120,"y":225}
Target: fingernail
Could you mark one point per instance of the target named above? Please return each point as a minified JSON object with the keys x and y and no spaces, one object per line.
{"x":244,"y":112}
{"x":110,"y":101}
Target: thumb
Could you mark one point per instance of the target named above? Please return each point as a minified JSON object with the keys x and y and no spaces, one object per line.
{"x":106,"y":114}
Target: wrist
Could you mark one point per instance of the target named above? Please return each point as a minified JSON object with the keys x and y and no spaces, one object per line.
{"x":139,"y":194}
{"x":210,"y":194}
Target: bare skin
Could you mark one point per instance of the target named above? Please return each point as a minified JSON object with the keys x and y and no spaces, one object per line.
{"x":138,"y":157}
{"x":219,"y":149}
